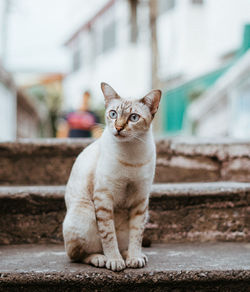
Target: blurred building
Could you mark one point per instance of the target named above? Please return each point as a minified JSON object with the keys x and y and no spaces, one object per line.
{"x":205,"y":38}
{"x":196,"y":41}
{"x":18,"y":116}
{"x":198,"y":36}
{"x":3,"y":28}
{"x":110,"y":47}
{"x":224,"y":110}
{"x":8,"y":101}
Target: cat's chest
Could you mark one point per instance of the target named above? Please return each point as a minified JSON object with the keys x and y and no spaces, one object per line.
{"x":129,"y":192}
{"x":132,"y":170}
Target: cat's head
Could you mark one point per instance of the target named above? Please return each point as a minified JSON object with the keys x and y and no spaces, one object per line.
{"x":129,"y":119}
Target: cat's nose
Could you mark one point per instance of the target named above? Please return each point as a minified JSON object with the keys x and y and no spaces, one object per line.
{"x":119,"y":128}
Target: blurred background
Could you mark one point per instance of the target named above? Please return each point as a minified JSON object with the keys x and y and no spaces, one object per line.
{"x":55,"y":53}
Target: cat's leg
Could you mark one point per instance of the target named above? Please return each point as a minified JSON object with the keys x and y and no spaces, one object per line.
{"x":137,"y":219}
{"x":122,"y":229}
{"x":82,"y":241}
{"x":103,"y":202}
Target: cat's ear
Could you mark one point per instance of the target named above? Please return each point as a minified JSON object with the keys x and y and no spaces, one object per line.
{"x":109,"y":93}
{"x":152,"y":100}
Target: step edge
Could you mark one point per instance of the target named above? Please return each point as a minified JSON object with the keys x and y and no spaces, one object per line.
{"x":128,"y":276}
{"x":158,"y":190}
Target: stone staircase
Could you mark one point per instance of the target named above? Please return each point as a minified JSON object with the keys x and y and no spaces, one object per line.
{"x":199,"y":220}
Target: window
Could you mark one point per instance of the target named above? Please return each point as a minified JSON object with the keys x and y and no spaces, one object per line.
{"x":165,"y":5}
{"x":109,"y":37}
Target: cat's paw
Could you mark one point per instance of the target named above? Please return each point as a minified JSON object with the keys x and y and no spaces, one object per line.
{"x":136,"y":262}
{"x":115,"y":265}
{"x":97,"y":260}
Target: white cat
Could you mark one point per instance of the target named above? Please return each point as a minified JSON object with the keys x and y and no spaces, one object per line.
{"x":108,"y":190}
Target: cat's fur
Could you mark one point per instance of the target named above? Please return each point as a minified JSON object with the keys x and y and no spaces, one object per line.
{"x":108,"y":190}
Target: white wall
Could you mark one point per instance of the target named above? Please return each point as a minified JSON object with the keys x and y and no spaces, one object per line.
{"x":7,"y":114}
{"x":239,"y":96}
{"x":126,"y":67}
{"x":2,"y":8}
{"x":193,"y":38}
{"x":224,"y":110}
{"x":77,"y":11}
{"x":216,"y":122}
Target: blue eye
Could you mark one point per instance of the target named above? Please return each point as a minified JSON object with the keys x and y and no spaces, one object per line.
{"x":113,"y":114}
{"x":134,"y":118}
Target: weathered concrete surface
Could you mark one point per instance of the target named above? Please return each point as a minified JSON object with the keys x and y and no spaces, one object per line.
{"x":35,"y":162}
{"x":31,"y":214}
{"x":178,"y":213}
{"x":193,"y":160}
{"x":200,"y":212}
{"x":184,"y":267}
{"x":48,"y":162}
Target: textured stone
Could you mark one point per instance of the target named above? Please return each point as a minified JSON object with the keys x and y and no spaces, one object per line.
{"x":237,"y":169}
{"x":171,"y":267}
{"x":178,"y":212}
{"x":48,"y":162}
{"x":34,"y":162}
{"x":31,"y":214}
{"x":200,"y":212}
{"x":186,"y":169}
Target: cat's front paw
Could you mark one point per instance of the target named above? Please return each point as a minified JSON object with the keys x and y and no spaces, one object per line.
{"x":136,"y":262}
{"x":115,"y":265}
{"x":97,"y":260}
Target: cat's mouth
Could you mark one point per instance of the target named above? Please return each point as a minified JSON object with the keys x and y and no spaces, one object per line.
{"x":120,"y":135}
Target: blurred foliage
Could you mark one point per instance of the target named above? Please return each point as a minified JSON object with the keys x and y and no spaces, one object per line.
{"x":48,"y":99}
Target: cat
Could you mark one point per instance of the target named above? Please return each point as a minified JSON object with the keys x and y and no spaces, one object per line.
{"x":108,"y":189}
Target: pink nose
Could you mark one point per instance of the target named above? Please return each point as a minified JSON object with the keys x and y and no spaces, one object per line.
{"x":118,"y":128}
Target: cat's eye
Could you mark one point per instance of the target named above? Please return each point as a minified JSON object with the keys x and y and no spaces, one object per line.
{"x":113,"y":114}
{"x":134,"y":118}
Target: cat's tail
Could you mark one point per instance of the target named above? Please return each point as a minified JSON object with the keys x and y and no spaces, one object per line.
{"x":75,"y":249}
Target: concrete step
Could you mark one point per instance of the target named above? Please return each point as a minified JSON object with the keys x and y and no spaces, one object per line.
{"x":48,"y":162}
{"x":184,"y":212}
{"x":171,"y":267}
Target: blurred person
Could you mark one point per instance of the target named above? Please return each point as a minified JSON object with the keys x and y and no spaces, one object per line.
{"x":82,"y":123}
